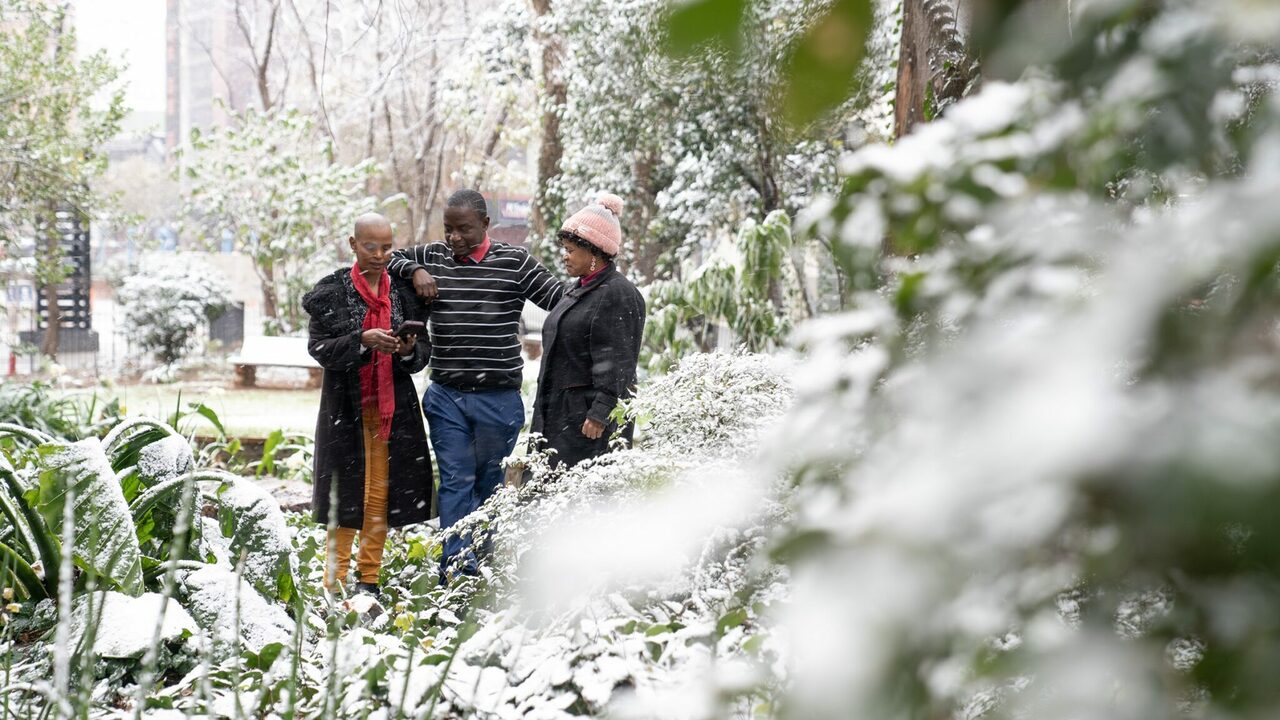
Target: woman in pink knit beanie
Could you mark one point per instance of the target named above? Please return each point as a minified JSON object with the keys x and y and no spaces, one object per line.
{"x":590,"y":341}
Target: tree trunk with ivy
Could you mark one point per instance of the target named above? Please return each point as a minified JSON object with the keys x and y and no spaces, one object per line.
{"x":640,"y":211}
{"x":934,"y":65}
{"x":555,"y":95}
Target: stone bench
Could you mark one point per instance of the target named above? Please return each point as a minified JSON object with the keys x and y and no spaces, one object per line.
{"x":264,"y":351}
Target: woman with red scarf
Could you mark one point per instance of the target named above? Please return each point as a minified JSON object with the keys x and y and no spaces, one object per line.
{"x":372,"y":469}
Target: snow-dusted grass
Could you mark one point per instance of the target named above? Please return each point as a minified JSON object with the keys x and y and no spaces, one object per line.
{"x":244,"y":412}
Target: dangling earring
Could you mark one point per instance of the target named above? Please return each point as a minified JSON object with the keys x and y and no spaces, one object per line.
{"x":593,"y":265}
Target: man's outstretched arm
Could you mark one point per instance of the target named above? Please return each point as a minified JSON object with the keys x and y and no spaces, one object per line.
{"x":540,"y":287}
{"x":409,"y":263}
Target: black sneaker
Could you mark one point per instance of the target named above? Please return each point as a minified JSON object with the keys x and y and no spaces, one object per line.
{"x":367,"y":588}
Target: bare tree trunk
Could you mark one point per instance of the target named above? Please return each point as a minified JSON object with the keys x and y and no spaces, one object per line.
{"x":763,"y":177}
{"x":427,"y":182}
{"x":259,"y":60}
{"x":266,"y":273}
{"x":490,"y":146}
{"x":555,"y":94}
{"x":913,"y":71}
{"x":395,"y":160}
{"x":428,"y":177}
{"x":371,"y":135}
{"x":53,"y":313}
{"x":312,"y":71}
{"x":934,"y":67}
{"x":435,"y":186}
{"x":412,"y":188}
{"x":53,"y":255}
{"x":770,"y":196}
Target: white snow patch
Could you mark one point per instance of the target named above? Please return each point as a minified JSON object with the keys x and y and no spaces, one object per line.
{"x":165,"y":458}
{"x":124,"y":625}
{"x":212,"y":597}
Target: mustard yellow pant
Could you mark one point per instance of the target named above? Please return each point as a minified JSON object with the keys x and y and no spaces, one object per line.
{"x":373,"y":533}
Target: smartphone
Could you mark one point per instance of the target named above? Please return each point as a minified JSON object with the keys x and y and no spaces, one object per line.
{"x":410,"y":327}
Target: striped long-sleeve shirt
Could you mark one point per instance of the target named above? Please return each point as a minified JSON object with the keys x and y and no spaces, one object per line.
{"x":474,"y":320}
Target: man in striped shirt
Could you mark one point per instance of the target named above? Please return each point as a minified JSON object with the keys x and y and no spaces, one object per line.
{"x":473,"y":406}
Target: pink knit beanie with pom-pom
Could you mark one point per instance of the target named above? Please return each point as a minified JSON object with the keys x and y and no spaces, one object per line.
{"x":598,"y":224}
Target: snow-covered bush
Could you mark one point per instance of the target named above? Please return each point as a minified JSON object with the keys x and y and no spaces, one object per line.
{"x":165,"y":307}
{"x":711,"y":401}
{"x":1077,"y":438}
{"x":751,"y":285}
{"x":696,"y":141}
{"x":619,"y":578}
{"x":1038,"y":461}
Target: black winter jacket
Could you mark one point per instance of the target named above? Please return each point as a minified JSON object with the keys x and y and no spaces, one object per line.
{"x":337,"y":316}
{"x":590,"y":348}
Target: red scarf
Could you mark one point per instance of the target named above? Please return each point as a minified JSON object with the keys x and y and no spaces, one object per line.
{"x":376,"y":386}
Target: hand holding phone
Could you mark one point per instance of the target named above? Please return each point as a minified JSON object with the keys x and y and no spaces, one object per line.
{"x":410,"y":327}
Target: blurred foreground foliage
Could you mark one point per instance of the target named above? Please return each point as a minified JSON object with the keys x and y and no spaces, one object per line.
{"x":1037,"y":460}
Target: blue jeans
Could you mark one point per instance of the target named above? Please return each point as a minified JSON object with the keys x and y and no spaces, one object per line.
{"x":470,"y":432}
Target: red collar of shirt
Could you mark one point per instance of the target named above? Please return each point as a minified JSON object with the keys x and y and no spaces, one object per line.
{"x":481,"y":250}
{"x":588,"y":278}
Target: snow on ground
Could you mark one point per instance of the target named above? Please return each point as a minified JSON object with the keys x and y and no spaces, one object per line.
{"x":123,"y":626}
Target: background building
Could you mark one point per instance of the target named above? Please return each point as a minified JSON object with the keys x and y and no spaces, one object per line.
{"x":207,"y":77}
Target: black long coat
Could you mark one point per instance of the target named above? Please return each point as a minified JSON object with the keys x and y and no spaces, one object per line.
{"x":337,"y":315}
{"x":590,"y":347}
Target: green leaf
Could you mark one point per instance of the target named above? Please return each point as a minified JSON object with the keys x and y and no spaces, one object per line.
{"x":226,"y":520}
{"x":661,"y":628}
{"x":730,"y":620}
{"x":253,"y":520}
{"x":22,"y":537}
{"x":696,"y":24}
{"x":209,"y":414}
{"x":126,"y":441}
{"x":822,"y":69}
{"x":146,"y":523}
{"x":130,"y":483}
{"x":46,"y":542}
{"x":417,"y":551}
{"x":27,"y":580}
{"x":266,"y":658}
{"x":105,"y":542}
{"x":799,"y":545}
{"x":285,"y":584}
{"x":907,"y":299}
{"x":268,"y":465}
{"x":436,"y":658}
